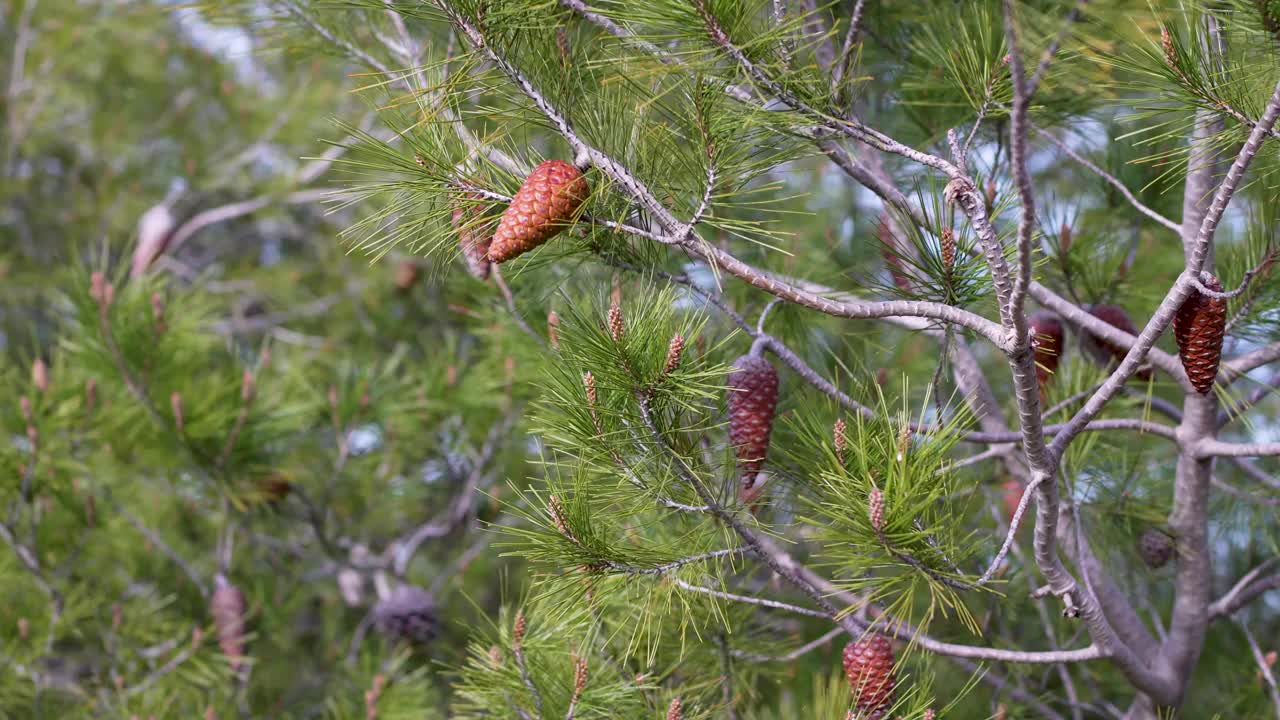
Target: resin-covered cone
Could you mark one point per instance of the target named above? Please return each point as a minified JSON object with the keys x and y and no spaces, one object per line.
{"x":1046,"y":338}
{"x":1199,"y":326}
{"x":550,"y":196}
{"x":408,"y":613}
{"x":227,"y":606}
{"x":753,"y":399}
{"x":1155,"y":547}
{"x":1116,"y":317}
{"x":868,"y":663}
{"x":473,"y":237}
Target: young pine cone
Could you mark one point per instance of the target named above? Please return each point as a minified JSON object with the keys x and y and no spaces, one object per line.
{"x":227,"y":606}
{"x":550,"y":196}
{"x":1104,"y":351}
{"x":1198,"y":327}
{"x":473,"y":237}
{"x":868,"y":663}
{"x":753,"y":399}
{"x":1046,"y":339}
{"x":1155,"y":547}
{"x":408,"y":613}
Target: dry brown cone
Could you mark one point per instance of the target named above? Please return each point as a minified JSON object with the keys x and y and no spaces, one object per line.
{"x":1199,"y":327}
{"x":474,"y":235}
{"x":227,"y":606}
{"x":549,"y":198}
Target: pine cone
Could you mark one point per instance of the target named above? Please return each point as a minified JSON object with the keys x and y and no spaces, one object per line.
{"x":1155,"y":547}
{"x":550,"y":196}
{"x":473,"y":236}
{"x":408,"y":613}
{"x":1198,"y":327}
{"x":675,"y":711}
{"x":1046,"y":339}
{"x":227,"y":606}
{"x":407,"y":274}
{"x":890,"y":252}
{"x":868,"y":663}
{"x":1013,"y":491}
{"x":753,"y":398}
{"x":1116,"y":317}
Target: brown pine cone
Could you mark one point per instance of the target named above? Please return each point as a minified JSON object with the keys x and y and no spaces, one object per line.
{"x":407,"y":274}
{"x":473,"y":236}
{"x":1046,"y":339}
{"x":753,"y":399}
{"x":889,"y":251}
{"x":1013,"y":490}
{"x":227,"y":606}
{"x":550,"y":196}
{"x":1155,"y":547}
{"x":408,"y":613}
{"x":1116,"y":317}
{"x":868,"y":663}
{"x":1199,"y":326}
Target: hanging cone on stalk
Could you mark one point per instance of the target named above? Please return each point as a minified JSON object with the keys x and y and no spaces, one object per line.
{"x":753,"y":400}
{"x":550,"y":196}
{"x":868,"y":663}
{"x":1199,"y":326}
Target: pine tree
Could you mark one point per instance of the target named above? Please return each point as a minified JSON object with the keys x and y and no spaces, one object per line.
{"x":886,"y":206}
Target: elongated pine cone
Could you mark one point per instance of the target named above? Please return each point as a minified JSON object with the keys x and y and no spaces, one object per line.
{"x":753,"y":399}
{"x":675,"y":711}
{"x":473,"y":236}
{"x":408,"y":613}
{"x":868,"y":663}
{"x":1013,"y":490}
{"x":227,"y":606}
{"x":1155,"y":547}
{"x":1198,"y":327}
{"x":550,"y":196}
{"x":1116,"y":317}
{"x":1046,"y":338}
